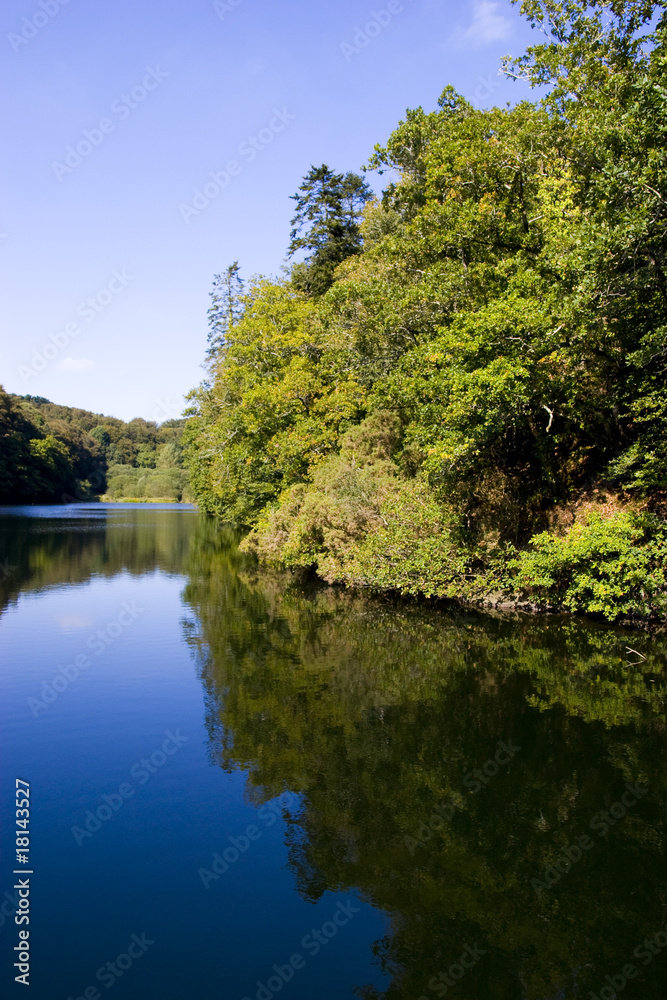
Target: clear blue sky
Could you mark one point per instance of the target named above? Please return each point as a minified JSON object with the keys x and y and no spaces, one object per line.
{"x":179,"y":86}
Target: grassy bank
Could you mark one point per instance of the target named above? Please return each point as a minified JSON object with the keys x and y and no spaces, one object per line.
{"x":108,"y":499}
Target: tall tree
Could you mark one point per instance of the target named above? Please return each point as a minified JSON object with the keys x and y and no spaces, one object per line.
{"x":225,"y":310}
{"x":326,"y":225}
{"x":507,"y":313}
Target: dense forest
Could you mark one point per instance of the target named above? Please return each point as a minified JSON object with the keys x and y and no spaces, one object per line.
{"x":60,"y":454}
{"x":457,"y":389}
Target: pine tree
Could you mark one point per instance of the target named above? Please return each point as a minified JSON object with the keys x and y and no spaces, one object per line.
{"x":225,"y":310}
{"x":326,"y":225}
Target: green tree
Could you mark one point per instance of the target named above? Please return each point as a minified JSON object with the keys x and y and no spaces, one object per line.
{"x":225,"y":310}
{"x":102,"y":436}
{"x":282,"y":391}
{"x":326,"y":225}
{"x":503,"y":308}
{"x":34,"y":469}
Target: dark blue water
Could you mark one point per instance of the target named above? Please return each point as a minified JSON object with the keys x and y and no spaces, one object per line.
{"x":243,"y":784}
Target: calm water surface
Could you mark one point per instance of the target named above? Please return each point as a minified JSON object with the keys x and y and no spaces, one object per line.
{"x":245,"y":786}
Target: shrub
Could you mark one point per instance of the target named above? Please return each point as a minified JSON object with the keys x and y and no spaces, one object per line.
{"x":361,"y":524}
{"x":614,"y":566}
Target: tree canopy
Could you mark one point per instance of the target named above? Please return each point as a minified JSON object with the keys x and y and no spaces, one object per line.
{"x":490,"y":363}
{"x":326,"y":225}
{"x":62,"y":454}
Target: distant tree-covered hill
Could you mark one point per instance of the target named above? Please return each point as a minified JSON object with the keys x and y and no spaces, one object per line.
{"x":61,"y":454}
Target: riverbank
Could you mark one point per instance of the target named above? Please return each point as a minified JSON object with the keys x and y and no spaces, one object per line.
{"x":602,"y":558}
{"x":108,"y":499}
{"x":466,"y":400}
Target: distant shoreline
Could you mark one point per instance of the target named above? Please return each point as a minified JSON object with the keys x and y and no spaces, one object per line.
{"x":106,"y":499}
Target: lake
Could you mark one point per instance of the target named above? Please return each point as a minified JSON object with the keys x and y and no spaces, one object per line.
{"x":244,"y":784}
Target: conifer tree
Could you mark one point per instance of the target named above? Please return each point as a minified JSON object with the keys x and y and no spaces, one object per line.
{"x":326,"y":225}
{"x":225,"y":310}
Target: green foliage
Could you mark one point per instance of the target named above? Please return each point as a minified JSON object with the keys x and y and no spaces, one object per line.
{"x":611,"y":566}
{"x":326,"y":225}
{"x":61,"y":454}
{"x":42,"y":458}
{"x":282,"y":391}
{"x":51,"y":460}
{"x":505,"y":309}
{"x":360,"y":524}
{"x":224,"y":311}
{"x":126,"y":481}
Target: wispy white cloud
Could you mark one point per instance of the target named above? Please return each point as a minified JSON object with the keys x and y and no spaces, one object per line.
{"x":75,"y":364}
{"x":488,"y":25}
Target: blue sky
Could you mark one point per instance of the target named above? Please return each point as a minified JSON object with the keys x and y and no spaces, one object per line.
{"x":122,"y":110}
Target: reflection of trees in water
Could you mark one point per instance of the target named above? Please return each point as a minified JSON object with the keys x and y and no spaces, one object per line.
{"x":37,"y":552}
{"x":374,"y":712}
